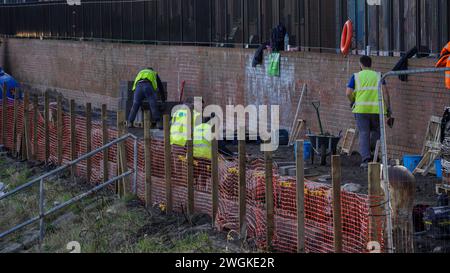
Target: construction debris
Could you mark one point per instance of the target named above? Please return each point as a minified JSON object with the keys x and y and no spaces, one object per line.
{"x":297,"y":123}
{"x":352,"y":187}
{"x":348,"y":142}
{"x":432,"y":147}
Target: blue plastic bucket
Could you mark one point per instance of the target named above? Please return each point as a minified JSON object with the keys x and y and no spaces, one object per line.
{"x":306,"y":150}
{"x":411,"y":161}
{"x":438,"y":167}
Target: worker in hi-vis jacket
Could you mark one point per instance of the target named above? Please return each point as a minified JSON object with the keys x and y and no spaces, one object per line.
{"x":362,"y":91}
{"x":147,"y":85}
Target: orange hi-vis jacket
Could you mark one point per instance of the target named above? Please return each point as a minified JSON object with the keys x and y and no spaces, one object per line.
{"x":444,"y":61}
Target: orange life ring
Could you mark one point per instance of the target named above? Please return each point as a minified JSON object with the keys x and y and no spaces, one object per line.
{"x":346,"y":38}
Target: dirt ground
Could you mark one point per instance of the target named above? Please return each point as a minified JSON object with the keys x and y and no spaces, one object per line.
{"x":351,"y":172}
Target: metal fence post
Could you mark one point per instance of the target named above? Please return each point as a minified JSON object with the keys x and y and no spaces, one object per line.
{"x":4,"y":112}
{"x":41,"y":210}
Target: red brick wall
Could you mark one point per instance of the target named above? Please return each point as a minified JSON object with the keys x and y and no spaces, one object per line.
{"x":90,"y":71}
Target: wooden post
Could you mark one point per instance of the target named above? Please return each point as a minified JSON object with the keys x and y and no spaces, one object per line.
{"x":300,"y":192}
{"x":15,"y":119}
{"x":122,"y":153}
{"x":337,"y":213}
{"x":73,"y":137}
{"x":60,"y":129}
{"x":105,"y":139}
{"x":119,"y":188}
{"x":167,"y":163}
{"x":148,"y":159}
{"x":242,"y":188}
{"x":269,"y":198}
{"x":4,"y":112}
{"x":214,"y":179}
{"x":190,"y":167}
{"x":88,"y":141}
{"x":35,"y":126}
{"x":26,"y":125}
{"x":46,"y":126}
{"x":402,"y":190}
{"x":22,"y":145}
{"x":376,"y":207}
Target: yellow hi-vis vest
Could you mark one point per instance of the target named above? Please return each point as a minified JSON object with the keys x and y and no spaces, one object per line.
{"x":149,"y":75}
{"x":202,"y":141}
{"x":366,"y":92}
{"x":179,"y":129}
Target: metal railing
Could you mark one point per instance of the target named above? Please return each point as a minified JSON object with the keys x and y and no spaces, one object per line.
{"x":41,"y":179}
{"x":385,"y":170}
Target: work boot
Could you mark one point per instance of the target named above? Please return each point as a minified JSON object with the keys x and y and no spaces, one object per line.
{"x":364,"y":164}
{"x":129,"y":124}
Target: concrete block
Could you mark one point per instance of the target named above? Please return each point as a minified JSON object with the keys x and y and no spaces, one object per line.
{"x":285,"y":169}
{"x":292,"y":172}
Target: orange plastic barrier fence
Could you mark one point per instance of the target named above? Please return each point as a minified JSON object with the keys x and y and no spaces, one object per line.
{"x":318,"y":202}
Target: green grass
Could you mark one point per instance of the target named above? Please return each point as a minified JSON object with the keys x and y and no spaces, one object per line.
{"x":112,"y":226}
{"x":106,"y":232}
{"x":191,"y":243}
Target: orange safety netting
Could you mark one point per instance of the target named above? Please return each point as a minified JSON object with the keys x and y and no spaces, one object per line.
{"x":356,"y":208}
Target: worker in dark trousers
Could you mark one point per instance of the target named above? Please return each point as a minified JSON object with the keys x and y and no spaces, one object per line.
{"x":362,"y":91}
{"x":147,"y":85}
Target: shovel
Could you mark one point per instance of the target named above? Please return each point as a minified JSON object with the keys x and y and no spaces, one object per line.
{"x":316,"y":105}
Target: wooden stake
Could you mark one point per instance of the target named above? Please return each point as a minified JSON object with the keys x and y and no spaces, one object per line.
{"x":105,"y":140}
{"x":59,"y":129}
{"x":376,"y":207}
{"x":15,"y":120}
{"x":148,"y":159}
{"x":22,"y":146}
{"x":269,"y":198}
{"x":46,"y":126}
{"x":168,"y":163}
{"x":190,"y":169}
{"x":337,"y":213}
{"x":4,"y":112}
{"x":26,"y":125}
{"x":73,"y":137}
{"x":88,"y":141}
{"x":122,"y":152}
{"x":242,"y":188}
{"x":300,"y":197}
{"x":35,"y":126}
{"x":215,"y":179}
